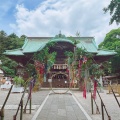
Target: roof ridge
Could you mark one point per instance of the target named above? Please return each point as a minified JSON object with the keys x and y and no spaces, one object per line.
{"x":25,"y":43}
{"x":94,"y":43}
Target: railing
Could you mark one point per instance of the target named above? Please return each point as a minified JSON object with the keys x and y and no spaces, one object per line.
{"x":117,"y":90}
{"x":94,"y":102}
{"x":20,"y":105}
{"x":2,"y":109}
{"x":103,"y":108}
{"x":97,"y":108}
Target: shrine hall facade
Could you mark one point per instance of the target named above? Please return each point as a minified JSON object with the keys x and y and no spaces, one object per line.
{"x":58,"y":71}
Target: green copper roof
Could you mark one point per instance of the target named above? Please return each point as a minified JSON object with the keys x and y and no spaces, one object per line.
{"x":106,"y":52}
{"x":37,"y":44}
{"x":88,"y":44}
{"x":34,"y":44}
{"x":15,"y":52}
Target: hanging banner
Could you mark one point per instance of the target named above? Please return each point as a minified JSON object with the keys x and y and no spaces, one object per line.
{"x":39,"y":66}
{"x":95,"y":89}
{"x":84,"y":91}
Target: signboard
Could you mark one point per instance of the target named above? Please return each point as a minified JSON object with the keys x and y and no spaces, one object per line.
{"x":49,"y":80}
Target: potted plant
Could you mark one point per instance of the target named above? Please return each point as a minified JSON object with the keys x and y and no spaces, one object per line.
{"x":18,"y":81}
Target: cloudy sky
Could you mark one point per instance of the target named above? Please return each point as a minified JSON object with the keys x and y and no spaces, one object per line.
{"x":48,"y":17}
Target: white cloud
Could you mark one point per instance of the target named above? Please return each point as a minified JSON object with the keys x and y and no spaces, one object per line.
{"x":69,"y":16}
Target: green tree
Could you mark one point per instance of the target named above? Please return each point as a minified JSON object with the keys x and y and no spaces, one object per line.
{"x":112,"y":42}
{"x":8,"y":42}
{"x":44,"y":56}
{"x":114,"y":9}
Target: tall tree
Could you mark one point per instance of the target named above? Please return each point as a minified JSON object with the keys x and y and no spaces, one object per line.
{"x":112,"y":42}
{"x":8,"y":42}
{"x":114,"y":9}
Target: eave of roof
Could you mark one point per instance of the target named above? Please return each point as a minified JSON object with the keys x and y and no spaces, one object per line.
{"x":106,"y":52}
{"x":15,"y":52}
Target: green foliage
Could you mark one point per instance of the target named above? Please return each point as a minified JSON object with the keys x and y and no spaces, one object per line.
{"x":8,"y":66}
{"x":44,"y":56}
{"x":80,"y":52}
{"x":30,"y":68}
{"x":73,"y":58}
{"x":107,"y":67}
{"x":114,"y":10}
{"x":18,"y":80}
{"x":75,"y":42}
{"x":50,"y":44}
{"x":112,"y":42}
{"x":77,"y":54}
{"x":115,"y":64}
{"x":9,"y":42}
{"x":96,"y":70}
{"x":70,"y":56}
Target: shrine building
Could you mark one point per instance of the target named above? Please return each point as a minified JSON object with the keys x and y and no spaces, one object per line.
{"x":62,"y":43}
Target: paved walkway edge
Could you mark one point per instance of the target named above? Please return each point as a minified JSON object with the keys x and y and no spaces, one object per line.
{"x":40,"y":108}
{"x":83,"y":110}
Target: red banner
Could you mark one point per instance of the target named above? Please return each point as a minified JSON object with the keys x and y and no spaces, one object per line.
{"x":84,"y":91}
{"x":39,"y":67}
{"x":95,"y":89}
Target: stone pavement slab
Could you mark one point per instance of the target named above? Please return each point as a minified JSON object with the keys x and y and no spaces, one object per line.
{"x":14,"y":99}
{"x":109,"y":101}
{"x":14,"y":107}
{"x":61,"y":107}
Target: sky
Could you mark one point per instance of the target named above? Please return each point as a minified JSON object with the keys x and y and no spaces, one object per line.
{"x":40,"y":18}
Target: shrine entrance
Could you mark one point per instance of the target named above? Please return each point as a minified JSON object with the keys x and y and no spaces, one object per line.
{"x":60,"y":80}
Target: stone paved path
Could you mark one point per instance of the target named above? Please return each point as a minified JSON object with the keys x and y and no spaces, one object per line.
{"x":61,"y":107}
{"x":70,"y":111}
{"x":13,"y":102}
{"x":109,"y":101}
